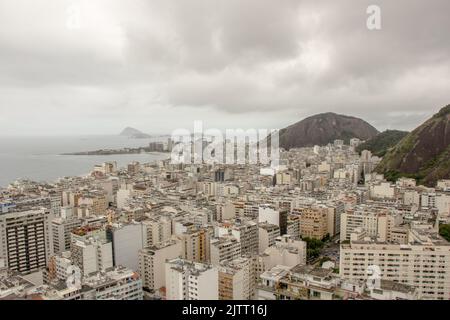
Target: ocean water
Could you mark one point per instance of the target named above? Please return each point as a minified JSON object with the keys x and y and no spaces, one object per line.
{"x":40,"y":159}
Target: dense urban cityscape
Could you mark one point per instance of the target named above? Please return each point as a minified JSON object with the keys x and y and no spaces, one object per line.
{"x":222,"y":159}
{"x":322,"y":225}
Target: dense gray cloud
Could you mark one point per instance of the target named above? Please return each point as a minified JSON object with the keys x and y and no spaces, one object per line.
{"x":95,"y":66}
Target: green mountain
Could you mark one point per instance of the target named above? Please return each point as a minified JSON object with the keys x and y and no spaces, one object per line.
{"x":324,"y":128}
{"x":382,"y":142}
{"x":423,"y":154}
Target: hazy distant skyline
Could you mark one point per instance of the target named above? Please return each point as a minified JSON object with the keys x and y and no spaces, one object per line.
{"x":97,"y":66}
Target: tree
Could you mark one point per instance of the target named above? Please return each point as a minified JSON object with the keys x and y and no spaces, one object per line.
{"x":313,"y":247}
{"x":444,"y":231}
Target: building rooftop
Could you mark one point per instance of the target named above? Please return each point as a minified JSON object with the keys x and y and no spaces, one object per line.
{"x":396,"y":286}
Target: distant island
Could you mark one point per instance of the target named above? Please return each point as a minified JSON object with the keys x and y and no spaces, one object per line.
{"x":134,"y":133}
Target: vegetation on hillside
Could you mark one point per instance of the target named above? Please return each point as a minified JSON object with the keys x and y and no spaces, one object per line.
{"x":443,"y":112}
{"x":324,"y":128}
{"x":423,"y":154}
{"x":382,"y":142}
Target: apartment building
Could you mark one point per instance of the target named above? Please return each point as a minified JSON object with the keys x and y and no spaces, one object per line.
{"x":245,"y":231}
{"x":186,"y":280}
{"x":225,"y":211}
{"x":88,"y":231}
{"x":61,"y":232}
{"x":436,"y":200}
{"x":133,"y":167}
{"x":224,"y":248}
{"x":152,"y":264}
{"x":284,"y":178}
{"x":307,"y":283}
{"x":293,"y":226}
{"x":313,"y":222}
{"x":95,"y":202}
{"x":58,"y":266}
{"x":51,"y":201}
{"x":382,"y":190}
{"x":26,"y":241}
{"x":92,"y":255}
{"x":267,"y":235}
{"x":119,"y":283}
{"x":195,"y":245}
{"x":106,"y":167}
{"x":123,"y":195}
{"x":423,"y":263}
{"x":378,"y":223}
{"x":237,"y":279}
{"x":127,"y":240}
{"x":285,"y":252}
{"x":157,"y":231}
{"x":278,"y":217}
{"x":335,"y":210}
{"x":315,"y":283}
{"x":70,"y":198}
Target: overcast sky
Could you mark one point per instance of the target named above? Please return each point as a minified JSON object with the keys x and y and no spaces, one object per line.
{"x":96,"y":66}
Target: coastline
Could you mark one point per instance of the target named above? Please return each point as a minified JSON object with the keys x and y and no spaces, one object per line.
{"x":108,"y":152}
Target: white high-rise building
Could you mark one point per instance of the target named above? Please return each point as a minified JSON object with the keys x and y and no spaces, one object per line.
{"x":61,"y":229}
{"x":285,"y":252}
{"x":267,"y":235}
{"x":58,"y":266}
{"x":127,"y":240}
{"x":225,"y":211}
{"x":92,"y":255}
{"x":377,"y":224}
{"x":187,"y":280}
{"x":423,"y":263}
{"x":122,"y":197}
{"x":268,"y":214}
{"x":152,"y":263}
{"x":382,"y":190}
{"x":157,"y":231}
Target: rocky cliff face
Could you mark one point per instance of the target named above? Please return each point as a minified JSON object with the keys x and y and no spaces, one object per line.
{"x":424,"y":154}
